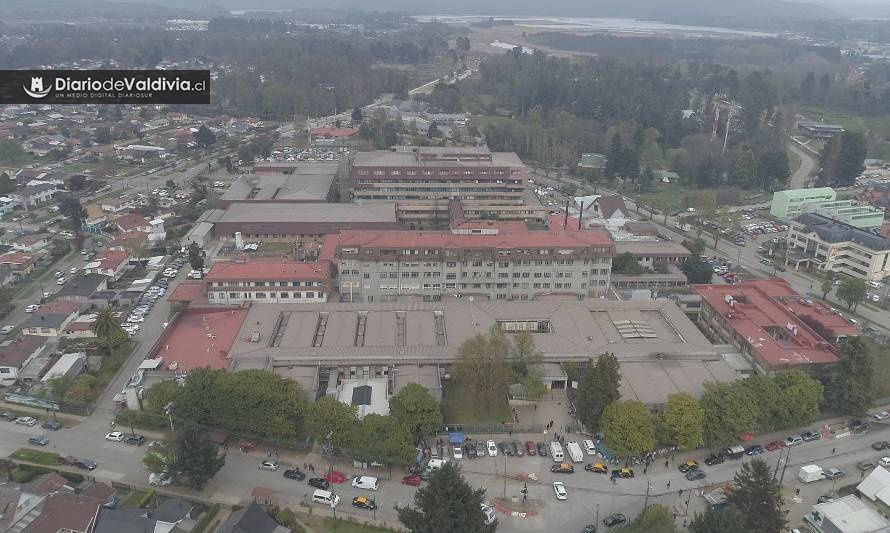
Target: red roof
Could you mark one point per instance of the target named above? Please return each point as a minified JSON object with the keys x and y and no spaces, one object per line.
{"x":763,"y":313}
{"x":200,"y":338}
{"x":333,"y":132}
{"x":112,"y":259}
{"x":15,"y":352}
{"x":16,"y":259}
{"x":130,"y":221}
{"x":268,"y":270}
{"x":505,"y":240}
{"x":59,"y":307}
{"x":188,"y":291}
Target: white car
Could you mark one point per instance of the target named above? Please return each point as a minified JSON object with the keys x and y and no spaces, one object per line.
{"x":115,"y":436}
{"x":458,"y":452}
{"x":560,"y":490}
{"x":59,"y":274}
{"x":884,"y":461}
{"x":26,"y":421}
{"x":60,"y":281}
{"x":159,"y":479}
{"x":589,"y":447}
{"x":6,"y":330}
{"x":492,"y":448}
{"x":881,"y":415}
{"x":268,"y":465}
{"x":490,"y":515}
{"x":73,"y":270}
{"x":31,"y":308}
{"x":134,"y":319}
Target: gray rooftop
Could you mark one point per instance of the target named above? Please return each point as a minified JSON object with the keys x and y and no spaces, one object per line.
{"x":319,"y":213}
{"x":833,"y":231}
{"x":83,"y":286}
{"x":645,"y":248}
{"x":437,"y":157}
{"x":309,"y":181}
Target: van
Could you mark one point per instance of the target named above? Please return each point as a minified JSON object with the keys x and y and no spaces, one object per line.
{"x":734,"y":452}
{"x":556,"y":452}
{"x":325,"y":497}
{"x":435,"y":464}
{"x":365,"y":482}
{"x":575,"y":452}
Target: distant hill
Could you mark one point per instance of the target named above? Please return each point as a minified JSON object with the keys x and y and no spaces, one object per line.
{"x":689,"y":11}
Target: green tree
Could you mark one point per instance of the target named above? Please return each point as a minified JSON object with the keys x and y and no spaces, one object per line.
{"x":447,"y":504}
{"x":698,"y":270}
{"x":727,"y":520}
{"x":852,"y":291}
{"x":103,"y":135}
{"x":11,"y":151}
{"x":327,"y":416}
{"x":196,"y":258}
{"x":597,"y":389}
{"x":653,"y":519}
{"x":730,"y":411}
{"x":161,"y":394}
{"x":626,"y":263}
{"x":356,"y":115}
{"x":851,"y":386}
{"x":108,"y":330}
{"x":7,"y":186}
{"x":758,"y":497}
{"x":696,"y":247}
{"x":204,"y":137}
{"x":160,"y":461}
{"x":196,"y":458}
{"x":827,"y":284}
{"x":416,"y":409}
{"x":70,"y":207}
{"x":81,"y":391}
{"x":681,"y":422}
{"x":801,"y":397}
{"x":629,"y":428}
{"x":384,"y":439}
{"x":481,"y":370}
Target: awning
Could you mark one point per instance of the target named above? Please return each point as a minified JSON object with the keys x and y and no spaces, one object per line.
{"x":151,"y":364}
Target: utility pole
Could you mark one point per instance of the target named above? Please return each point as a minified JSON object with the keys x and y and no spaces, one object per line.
{"x":646,"y":501}
{"x":168,"y":409}
{"x":785,"y":466}
{"x":505,"y":476}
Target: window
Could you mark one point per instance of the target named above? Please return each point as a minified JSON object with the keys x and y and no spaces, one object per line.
{"x":260,"y":295}
{"x":451,"y":264}
{"x":285,"y":295}
{"x":367,"y":275}
{"x":310,"y":294}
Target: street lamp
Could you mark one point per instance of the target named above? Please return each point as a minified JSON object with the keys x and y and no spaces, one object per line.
{"x":168,"y":410}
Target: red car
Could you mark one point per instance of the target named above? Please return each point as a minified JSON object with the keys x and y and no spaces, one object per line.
{"x":530,"y":448}
{"x":413,"y":480}
{"x":774,"y":445}
{"x":337,"y":477}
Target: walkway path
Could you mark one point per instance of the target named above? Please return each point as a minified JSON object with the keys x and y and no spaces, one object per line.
{"x":804,"y":175}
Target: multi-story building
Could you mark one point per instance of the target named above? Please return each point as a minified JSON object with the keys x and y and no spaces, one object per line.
{"x":513,"y":264}
{"x":772,"y":325}
{"x":269,"y":281}
{"x":789,"y":204}
{"x":832,"y":246}
{"x":423,"y":180}
{"x":862,"y":216}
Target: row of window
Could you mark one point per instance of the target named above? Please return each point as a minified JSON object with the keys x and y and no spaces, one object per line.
{"x":267,"y":284}
{"x":270,"y":295}
{"x":454,"y":264}
{"x":398,"y":172}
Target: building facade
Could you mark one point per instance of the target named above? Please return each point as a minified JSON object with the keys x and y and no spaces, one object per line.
{"x":422,"y":181}
{"x":849,"y":212}
{"x":270,"y":281}
{"x":514,"y":265}
{"x":831,"y":246}
{"x":789,"y":204}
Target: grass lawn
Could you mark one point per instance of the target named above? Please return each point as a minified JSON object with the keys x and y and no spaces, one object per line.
{"x":134,"y":498}
{"x":455,"y":409}
{"x":329,"y":525}
{"x":35,"y":456}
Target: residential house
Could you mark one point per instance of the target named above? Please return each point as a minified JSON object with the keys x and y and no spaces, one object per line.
{"x":251,"y":519}
{"x":71,"y":513}
{"x":116,"y":205}
{"x":21,"y":263}
{"x":16,"y":353}
{"x":95,"y":215}
{"x":41,"y":149}
{"x":111,"y":263}
{"x":131,"y":222}
{"x":610,"y":211}
{"x":7,"y":205}
{"x":35,"y":195}
{"x":7,"y":275}
{"x":81,"y":288}
{"x":26,"y":243}
{"x":51,"y":319}
{"x":27,"y":174}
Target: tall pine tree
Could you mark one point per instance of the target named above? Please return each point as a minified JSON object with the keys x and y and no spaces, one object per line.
{"x":597,"y":389}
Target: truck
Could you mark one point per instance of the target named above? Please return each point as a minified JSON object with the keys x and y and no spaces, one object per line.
{"x":575,"y":452}
{"x":734,"y":452}
{"x":556,"y":452}
{"x":810,"y":473}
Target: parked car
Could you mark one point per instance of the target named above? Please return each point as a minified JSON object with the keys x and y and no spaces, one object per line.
{"x":6,"y":330}
{"x":810,"y":436}
{"x":598,"y":468}
{"x":542,"y":449}
{"x":867,"y":464}
{"x":505,"y":448}
{"x":363,"y":502}
{"x":85,"y":464}
{"x":26,"y":421}
{"x":715,"y":459}
{"x":480,"y":449}
{"x":319,"y":483}
{"x":884,"y":462}
{"x":457,"y":452}
{"x":490,"y":515}
{"x":694,"y":475}
{"x":134,"y":439}
{"x":413,"y":480}
{"x":470,"y":451}
{"x":530,"y":448}
{"x":560,"y":490}
{"x":832,"y":473}
{"x":116,"y":436}
{"x":38,"y":440}
{"x":880,"y":445}
{"x":9,"y":417}
{"x":161,"y":479}
{"x":859,"y":426}
{"x":793,"y":440}
{"x":623,"y":473}
{"x":774,"y":445}
{"x":268,"y":465}
{"x":881,"y":415}
{"x":295,"y":473}
{"x":563,"y":468}
{"x":492,"y":448}
{"x":614,"y":520}
{"x":518,"y":448}
{"x":688,"y":466}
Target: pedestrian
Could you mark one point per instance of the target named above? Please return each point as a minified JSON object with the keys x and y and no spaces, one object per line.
{"x":666,"y":464}
{"x":668,"y":484}
{"x":833,"y":450}
{"x":675,"y":515}
{"x":536,"y":407}
{"x":680,"y":493}
{"x":613,"y":481}
{"x":797,"y":492}
{"x":645,"y":469}
{"x":304,"y":467}
{"x":684,"y":520}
